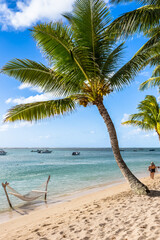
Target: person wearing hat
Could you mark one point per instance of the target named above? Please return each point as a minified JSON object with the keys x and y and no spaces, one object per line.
{"x":152,"y":168}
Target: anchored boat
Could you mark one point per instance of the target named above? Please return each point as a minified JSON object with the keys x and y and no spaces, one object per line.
{"x":75,"y":153}
{"x":44,"y":151}
{"x":35,"y":150}
{"x":2,"y":152}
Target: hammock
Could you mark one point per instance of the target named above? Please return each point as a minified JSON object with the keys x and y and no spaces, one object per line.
{"x":31,"y":196}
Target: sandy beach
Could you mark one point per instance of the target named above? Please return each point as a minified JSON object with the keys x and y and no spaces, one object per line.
{"x":111,"y":214}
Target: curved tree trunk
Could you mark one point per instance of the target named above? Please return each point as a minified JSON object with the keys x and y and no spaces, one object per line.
{"x":134,"y":183}
{"x":158,"y":136}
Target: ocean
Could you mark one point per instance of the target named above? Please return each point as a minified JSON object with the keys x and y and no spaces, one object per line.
{"x":93,"y":168}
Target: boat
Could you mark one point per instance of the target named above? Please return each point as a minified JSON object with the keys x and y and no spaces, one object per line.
{"x":134,"y":150}
{"x":35,"y":150}
{"x":75,"y":153}
{"x":122,"y":150}
{"x":44,"y":151}
{"x":2,"y":152}
{"x":151,"y":150}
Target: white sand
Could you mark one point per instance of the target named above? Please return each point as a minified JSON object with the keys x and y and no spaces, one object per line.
{"x":111,"y":214}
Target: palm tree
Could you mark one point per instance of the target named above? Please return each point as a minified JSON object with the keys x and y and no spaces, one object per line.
{"x":154,"y":61}
{"x":145,"y":19}
{"x":148,"y":117}
{"x":84,"y":68}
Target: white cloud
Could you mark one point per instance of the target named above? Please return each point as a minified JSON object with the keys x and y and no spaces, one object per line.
{"x":22,"y":124}
{"x":92,"y":132}
{"x":135,"y":131}
{"x":140,"y":133}
{"x":4,"y":127}
{"x":29,"y":12}
{"x":125,"y":117}
{"x":7,"y":126}
{"x":31,"y":99}
{"x":9,"y":100}
{"x":147,"y":135}
{"x":44,"y":137}
{"x":5,"y":15}
{"x":26,"y":85}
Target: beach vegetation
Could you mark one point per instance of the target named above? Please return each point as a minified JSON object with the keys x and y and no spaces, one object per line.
{"x":144,"y":19}
{"x":84,"y":67}
{"x":148,"y":116}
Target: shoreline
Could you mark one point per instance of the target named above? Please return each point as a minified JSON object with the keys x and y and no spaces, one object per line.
{"x":66,"y":210}
{"x":23,"y":209}
{"x":89,"y":170}
{"x":27,"y":208}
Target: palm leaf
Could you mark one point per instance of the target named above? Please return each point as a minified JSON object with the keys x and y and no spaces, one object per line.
{"x":148,"y":117}
{"x":151,"y":82}
{"x":112,"y":61}
{"x":152,"y":45}
{"x":37,"y":74}
{"x":40,"y":110}
{"x":55,"y":40}
{"x":139,"y":124}
{"x":91,"y":17}
{"x":126,"y":74}
{"x":148,"y":2}
{"x":156,"y":72}
{"x":139,"y":20}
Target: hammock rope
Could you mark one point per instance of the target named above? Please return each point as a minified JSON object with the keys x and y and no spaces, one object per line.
{"x":30,"y":196}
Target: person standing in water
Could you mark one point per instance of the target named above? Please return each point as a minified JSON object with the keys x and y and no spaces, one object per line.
{"x":152,"y":168}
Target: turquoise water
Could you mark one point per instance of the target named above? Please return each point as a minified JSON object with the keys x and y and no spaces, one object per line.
{"x":25,"y":170}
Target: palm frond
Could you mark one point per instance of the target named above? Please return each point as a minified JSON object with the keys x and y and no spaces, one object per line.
{"x":37,"y":74}
{"x":156,"y":72}
{"x":151,"y":82}
{"x":154,"y":60}
{"x":147,"y":54}
{"x":139,"y":20}
{"x":155,"y":79}
{"x":149,"y":109}
{"x":139,"y":124}
{"x":55,"y":40}
{"x":91,"y":17}
{"x":148,"y":2}
{"x":112,"y":61}
{"x":152,"y":31}
{"x":31,"y":72}
{"x":40,"y":110}
{"x":152,"y":45}
{"x":148,"y":116}
{"x":126,"y":74}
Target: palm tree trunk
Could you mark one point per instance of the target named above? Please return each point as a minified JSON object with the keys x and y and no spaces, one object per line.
{"x":134,"y":183}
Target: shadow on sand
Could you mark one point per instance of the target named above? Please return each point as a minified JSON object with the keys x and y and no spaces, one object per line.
{"x":154,"y":193}
{"x":26,"y":208}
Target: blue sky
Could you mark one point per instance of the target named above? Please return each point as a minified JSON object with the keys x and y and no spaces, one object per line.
{"x":85,"y":127}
